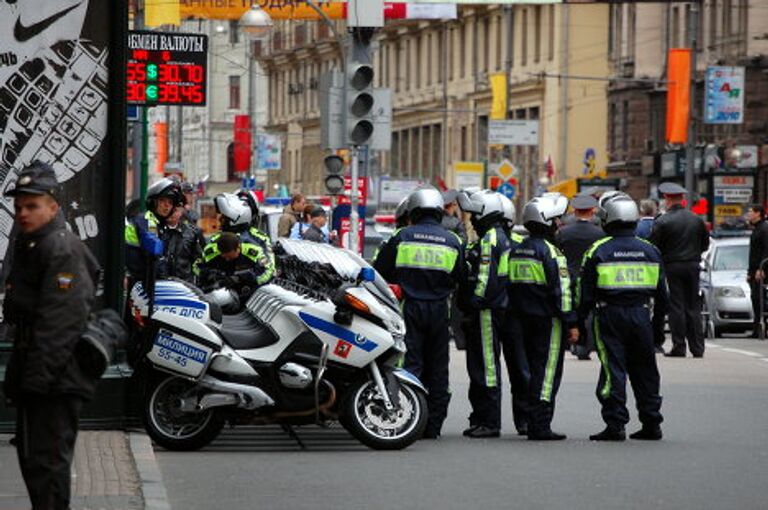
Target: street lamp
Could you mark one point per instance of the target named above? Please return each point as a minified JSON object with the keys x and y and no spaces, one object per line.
{"x":256,"y":23}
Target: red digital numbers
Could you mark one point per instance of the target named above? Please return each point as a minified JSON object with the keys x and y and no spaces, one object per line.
{"x":167,"y":83}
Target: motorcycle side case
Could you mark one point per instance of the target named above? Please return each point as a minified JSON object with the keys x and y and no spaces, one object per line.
{"x":183,"y":346}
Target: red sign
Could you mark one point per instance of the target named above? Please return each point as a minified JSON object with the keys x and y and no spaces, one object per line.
{"x":362,"y":191}
{"x":342,"y":349}
{"x":346,"y":228}
{"x":242,"y":144}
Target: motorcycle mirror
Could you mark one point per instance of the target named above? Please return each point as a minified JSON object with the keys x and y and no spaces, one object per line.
{"x":367,"y":274}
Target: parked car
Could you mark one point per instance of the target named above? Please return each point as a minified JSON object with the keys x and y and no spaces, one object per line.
{"x":724,"y":287}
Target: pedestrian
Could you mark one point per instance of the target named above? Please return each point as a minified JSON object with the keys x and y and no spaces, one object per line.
{"x":298,"y":228}
{"x":681,"y":237}
{"x":649,"y":209}
{"x":452,"y":216}
{"x":163,"y":198}
{"x":318,"y":218}
{"x":574,"y":240}
{"x":182,"y":246}
{"x":426,"y":261}
{"x":540,"y":290}
{"x":291,"y":214}
{"x":49,"y":294}
{"x":483,"y":299}
{"x":620,"y":276}
{"x":512,"y":338}
{"x":758,"y":252}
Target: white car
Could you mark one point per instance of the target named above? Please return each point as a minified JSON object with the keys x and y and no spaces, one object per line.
{"x":723,"y":284}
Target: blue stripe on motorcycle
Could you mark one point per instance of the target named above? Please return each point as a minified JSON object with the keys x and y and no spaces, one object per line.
{"x":339,"y":332}
{"x":180,"y":302}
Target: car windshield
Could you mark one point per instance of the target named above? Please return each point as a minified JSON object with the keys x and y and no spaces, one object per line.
{"x":731,"y":258}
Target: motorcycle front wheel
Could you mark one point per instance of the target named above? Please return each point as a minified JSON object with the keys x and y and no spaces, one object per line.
{"x":365,"y":416}
{"x":172,"y":428}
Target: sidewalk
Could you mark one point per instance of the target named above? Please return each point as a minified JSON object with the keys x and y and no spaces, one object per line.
{"x":105,"y":474}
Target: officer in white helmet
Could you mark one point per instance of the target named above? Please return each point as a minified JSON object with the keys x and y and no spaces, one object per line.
{"x":483,"y":299}
{"x":426,"y":261}
{"x":620,"y":276}
{"x":540,"y":290}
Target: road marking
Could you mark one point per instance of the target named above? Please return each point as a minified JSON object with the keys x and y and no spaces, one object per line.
{"x":740,"y":351}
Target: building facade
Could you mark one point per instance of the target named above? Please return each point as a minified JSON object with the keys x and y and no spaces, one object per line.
{"x":439,"y":73}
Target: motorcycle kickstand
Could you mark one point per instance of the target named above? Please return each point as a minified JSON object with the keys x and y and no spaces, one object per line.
{"x":288,"y":429}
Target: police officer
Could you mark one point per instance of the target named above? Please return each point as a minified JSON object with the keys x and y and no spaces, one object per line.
{"x":621,"y":274}
{"x":540,"y":290}
{"x":574,"y":240}
{"x":426,"y":261}
{"x":512,"y":338}
{"x":682,"y":237}
{"x":48,"y":297}
{"x":236,"y":218}
{"x":230,"y":262}
{"x":483,"y":298}
{"x":162,"y":198}
{"x":758,"y":251}
{"x":451,"y":214}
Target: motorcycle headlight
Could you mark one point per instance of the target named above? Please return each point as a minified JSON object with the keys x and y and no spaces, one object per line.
{"x":729,"y":292}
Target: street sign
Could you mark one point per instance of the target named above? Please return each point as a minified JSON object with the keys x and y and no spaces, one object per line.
{"x":513,"y":132}
{"x":166,"y":68}
{"x":506,"y":169}
{"x":468,"y":174}
{"x":507,"y":189}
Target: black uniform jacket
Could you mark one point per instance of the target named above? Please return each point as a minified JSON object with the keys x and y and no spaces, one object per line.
{"x":575,"y":239}
{"x":680,"y":235}
{"x":758,"y":247}
{"x":48,"y":298}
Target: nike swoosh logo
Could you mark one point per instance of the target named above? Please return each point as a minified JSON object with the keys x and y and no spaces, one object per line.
{"x":23,"y":34}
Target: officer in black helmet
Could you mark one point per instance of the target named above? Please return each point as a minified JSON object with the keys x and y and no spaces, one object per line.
{"x":49,"y":294}
{"x":163,"y":198}
{"x":426,"y":261}
{"x":540,"y":291}
{"x":620,"y":276}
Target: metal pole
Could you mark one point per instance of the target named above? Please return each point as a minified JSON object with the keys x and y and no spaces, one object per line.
{"x":179,"y":134}
{"x":354,"y":217}
{"x":251,"y":103}
{"x":690,"y":148}
{"x":563,"y":164}
{"x":444,"y":131}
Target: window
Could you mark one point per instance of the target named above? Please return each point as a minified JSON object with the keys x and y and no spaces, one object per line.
{"x":430,"y":63}
{"x":394,"y":164}
{"x":234,"y":31}
{"x":612,"y":128}
{"x":498,"y":43}
{"x":486,"y":43}
{"x":675,"y":28}
{"x":625,"y":128}
{"x":482,"y":136}
{"x":417,"y":58}
{"x":462,"y":50}
{"x":234,"y":92}
{"x":713,"y":22}
{"x":452,"y":54}
{"x":524,"y":34}
{"x":551,"y":34}
{"x":537,"y":33}
{"x":463,"y":146}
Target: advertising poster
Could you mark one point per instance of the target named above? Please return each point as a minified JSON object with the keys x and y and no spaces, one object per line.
{"x":724,"y":95}
{"x":54,"y":106}
{"x":268,"y":152}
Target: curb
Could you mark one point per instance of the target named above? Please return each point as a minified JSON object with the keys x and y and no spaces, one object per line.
{"x":152,"y":488}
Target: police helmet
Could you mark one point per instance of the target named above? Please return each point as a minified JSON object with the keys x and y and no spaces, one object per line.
{"x":165,"y":188}
{"x":250,"y":200}
{"x":235,"y":212}
{"x":620,"y":208}
{"x":401,"y":212}
{"x":545,"y":209}
{"x":509,"y":209}
{"x":604,"y":199}
{"x":425,"y":200}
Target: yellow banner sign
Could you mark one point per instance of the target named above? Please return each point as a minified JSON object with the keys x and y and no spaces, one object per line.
{"x":728,"y":210}
{"x":277,"y":9}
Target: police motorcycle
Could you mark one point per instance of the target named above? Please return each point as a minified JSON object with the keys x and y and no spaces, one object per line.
{"x":319,"y":343}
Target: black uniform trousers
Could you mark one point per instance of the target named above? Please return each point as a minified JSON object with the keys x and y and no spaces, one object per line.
{"x":543,"y":343}
{"x":427,"y":340}
{"x":46,"y":430}
{"x":517,"y":368}
{"x":481,"y":332}
{"x":756,"y":287}
{"x":685,"y":307}
{"x":624,"y":338}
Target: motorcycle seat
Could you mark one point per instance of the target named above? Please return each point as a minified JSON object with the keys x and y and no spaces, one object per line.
{"x":244,"y":331}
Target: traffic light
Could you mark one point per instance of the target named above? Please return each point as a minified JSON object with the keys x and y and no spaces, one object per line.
{"x":360,"y":103}
{"x":334,"y":168}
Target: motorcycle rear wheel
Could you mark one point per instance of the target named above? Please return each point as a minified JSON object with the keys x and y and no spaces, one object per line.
{"x":172,"y":428}
{"x":364,"y":415}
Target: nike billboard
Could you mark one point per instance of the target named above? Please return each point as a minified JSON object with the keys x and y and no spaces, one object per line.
{"x":56,"y":103}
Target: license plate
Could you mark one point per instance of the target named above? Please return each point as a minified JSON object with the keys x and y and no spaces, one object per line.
{"x":177,"y":353}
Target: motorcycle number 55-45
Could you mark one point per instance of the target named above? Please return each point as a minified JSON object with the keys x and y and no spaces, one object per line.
{"x":178,"y":354}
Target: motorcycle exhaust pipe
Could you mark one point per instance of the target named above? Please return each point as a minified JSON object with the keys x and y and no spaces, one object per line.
{"x":251,"y":397}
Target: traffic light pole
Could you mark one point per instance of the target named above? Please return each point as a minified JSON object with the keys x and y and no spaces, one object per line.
{"x":690,"y":148}
{"x":354,"y":216}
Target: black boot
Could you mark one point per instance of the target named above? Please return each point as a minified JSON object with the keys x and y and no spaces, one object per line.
{"x":610,"y":434}
{"x":482,"y":432}
{"x":649,"y":433}
{"x":545,"y":435}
